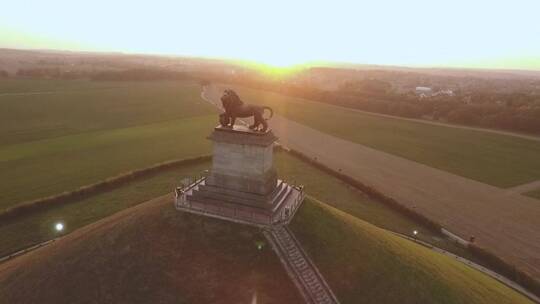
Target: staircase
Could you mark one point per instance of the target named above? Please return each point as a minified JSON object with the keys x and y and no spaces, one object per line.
{"x":300,"y":268}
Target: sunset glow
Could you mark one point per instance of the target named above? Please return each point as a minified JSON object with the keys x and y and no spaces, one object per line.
{"x":498,"y":34}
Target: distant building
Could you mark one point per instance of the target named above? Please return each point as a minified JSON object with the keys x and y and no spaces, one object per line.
{"x":423,"y":91}
{"x":444,"y":92}
{"x":428,"y":92}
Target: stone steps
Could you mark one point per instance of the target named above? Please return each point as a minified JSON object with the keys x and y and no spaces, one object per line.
{"x":280,"y":194}
{"x":252,"y":196}
{"x":313,"y":286}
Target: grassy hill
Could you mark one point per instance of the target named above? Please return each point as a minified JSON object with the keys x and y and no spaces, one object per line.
{"x":366,"y":264}
{"x":495,"y":159}
{"x":84,"y":132}
{"x":36,"y":227}
{"x":150,"y":253}
{"x":153,"y":253}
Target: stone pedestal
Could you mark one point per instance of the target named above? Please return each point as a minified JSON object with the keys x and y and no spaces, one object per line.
{"x":242,"y":160}
{"x":242,"y":185}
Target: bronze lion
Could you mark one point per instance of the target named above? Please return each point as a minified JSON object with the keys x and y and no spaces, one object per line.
{"x":234,"y":107}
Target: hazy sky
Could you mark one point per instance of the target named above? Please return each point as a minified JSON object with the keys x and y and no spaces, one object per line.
{"x":499,"y":34}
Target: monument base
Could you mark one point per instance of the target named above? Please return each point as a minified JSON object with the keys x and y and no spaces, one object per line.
{"x":242,"y":185}
{"x":276,"y":208}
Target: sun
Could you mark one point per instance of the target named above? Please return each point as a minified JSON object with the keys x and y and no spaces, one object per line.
{"x":280,"y":67}
{"x":280,"y":62}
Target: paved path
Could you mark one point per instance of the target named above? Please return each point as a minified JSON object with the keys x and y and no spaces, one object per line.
{"x":299,"y":266}
{"x":506,"y":224}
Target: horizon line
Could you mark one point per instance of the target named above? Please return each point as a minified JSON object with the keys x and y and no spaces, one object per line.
{"x":313,"y":63}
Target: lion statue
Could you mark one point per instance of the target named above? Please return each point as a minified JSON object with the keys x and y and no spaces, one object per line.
{"x":234,"y":107}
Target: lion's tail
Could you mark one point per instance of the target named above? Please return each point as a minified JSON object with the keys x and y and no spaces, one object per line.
{"x":271,"y":112}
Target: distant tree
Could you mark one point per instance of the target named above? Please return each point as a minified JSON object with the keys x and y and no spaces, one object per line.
{"x":370,"y":86}
{"x":140,"y":75}
{"x":4,"y":74}
{"x":462,"y":115}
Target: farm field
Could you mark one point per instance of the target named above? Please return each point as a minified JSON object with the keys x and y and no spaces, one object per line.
{"x":495,"y":159}
{"x":361,"y":261}
{"x":72,"y":107}
{"x":51,"y":143}
{"x":36,"y":227}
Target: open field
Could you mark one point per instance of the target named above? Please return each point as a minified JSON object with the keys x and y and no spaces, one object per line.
{"x":150,"y":253}
{"x":73,"y":107}
{"x":495,"y":159}
{"x":363,"y":263}
{"x":41,"y":168}
{"x":50,"y":143}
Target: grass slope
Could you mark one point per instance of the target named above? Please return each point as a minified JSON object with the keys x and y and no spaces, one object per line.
{"x":150,"y":254}
{"x":495,"y":159}
{"x":365,"y":264}
{"x":37,"y":227}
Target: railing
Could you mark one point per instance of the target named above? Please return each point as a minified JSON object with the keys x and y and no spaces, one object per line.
{"x":180,"y":192}
{"x":286,"y":216}
{"x":28,"y":249}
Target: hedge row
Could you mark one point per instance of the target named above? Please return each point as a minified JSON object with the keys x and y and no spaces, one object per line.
{"x":92,"y":189}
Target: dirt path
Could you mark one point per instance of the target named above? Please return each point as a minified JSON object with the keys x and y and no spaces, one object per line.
{"x":506,"y":224}
{"x":525,"y":187}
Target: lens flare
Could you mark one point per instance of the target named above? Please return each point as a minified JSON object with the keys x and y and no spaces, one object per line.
{"x":59,"y":227}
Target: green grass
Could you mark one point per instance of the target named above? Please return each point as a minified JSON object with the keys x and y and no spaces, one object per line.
{"x":88,"y":131}
{"x":42,"y":168}
{"x":495,"y":159}
{"x":37,"y":227}
{"x":151,"y":254}
{"x":363,"y":263}
{"x":84,"y":106}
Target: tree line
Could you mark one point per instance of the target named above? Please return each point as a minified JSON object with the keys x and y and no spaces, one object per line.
{"x":136,"y":74}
